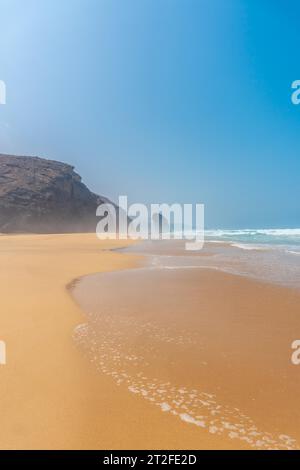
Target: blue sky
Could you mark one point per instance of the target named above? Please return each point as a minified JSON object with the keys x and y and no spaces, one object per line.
{"x":161,"y":100}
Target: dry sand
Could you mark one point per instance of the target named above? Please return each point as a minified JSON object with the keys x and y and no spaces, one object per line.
{"x":48,"y":394}
{"x":52,"y":397}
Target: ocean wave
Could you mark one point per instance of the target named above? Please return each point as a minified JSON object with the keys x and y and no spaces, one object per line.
{"x":292,"y":252}
{"x":294,"y":232}
{"x":249,"y":247}
{"x":258,"y":237}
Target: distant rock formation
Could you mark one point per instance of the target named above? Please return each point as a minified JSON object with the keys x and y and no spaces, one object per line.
{"x":44,"y":196}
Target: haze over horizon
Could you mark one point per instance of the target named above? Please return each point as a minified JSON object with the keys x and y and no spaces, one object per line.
{"x":164,"y":101}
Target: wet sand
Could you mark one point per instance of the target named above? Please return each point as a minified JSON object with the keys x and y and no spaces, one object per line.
{"x":206,"y":350}
{"x":206,"y":354}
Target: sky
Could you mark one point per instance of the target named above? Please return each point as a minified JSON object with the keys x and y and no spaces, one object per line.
{"x":184,"y":101}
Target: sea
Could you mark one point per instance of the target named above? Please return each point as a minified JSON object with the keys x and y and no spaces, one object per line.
{"x":270,"y":255}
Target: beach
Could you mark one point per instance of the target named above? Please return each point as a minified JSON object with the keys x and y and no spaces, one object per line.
{"x":49,"y":394}
{"x":149,"y":228}
{"x":206,"y":354}
{"x":209,"y":348}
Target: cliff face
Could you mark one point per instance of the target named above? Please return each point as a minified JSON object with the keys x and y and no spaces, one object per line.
{"x":44,"y":196}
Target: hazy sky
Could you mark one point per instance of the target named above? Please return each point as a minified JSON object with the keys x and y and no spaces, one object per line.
{"x":162,"y":100}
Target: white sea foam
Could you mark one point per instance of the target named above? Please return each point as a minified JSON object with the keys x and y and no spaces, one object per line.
{"x":255,"y":237}
{"x":244,"y":246}
{"x":165,"y":407}
{"x":104,"y":347}
{"x":189,"y":419}
{"x":286,"y":232}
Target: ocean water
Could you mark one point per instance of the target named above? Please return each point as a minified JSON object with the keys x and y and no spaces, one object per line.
{"x":226,"y":370}
{"x":270,"y":255}
{"x":256,"y":238}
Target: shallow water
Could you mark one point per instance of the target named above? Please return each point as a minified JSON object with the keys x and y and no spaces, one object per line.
{"x":189,"y":343}
{"x":279,"y":264}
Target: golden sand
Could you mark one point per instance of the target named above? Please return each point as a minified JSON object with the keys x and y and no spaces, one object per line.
{"x":52,"y":397}
{"x":48,"y":394}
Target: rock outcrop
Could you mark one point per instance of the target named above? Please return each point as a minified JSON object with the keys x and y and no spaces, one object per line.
{"x":44,"y":196}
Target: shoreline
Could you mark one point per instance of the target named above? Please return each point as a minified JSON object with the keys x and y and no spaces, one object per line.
{"x":53,"y":397}
{"x":235,"y":344}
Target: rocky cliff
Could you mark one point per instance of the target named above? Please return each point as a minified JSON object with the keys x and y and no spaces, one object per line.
{"x":44,"y":196}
